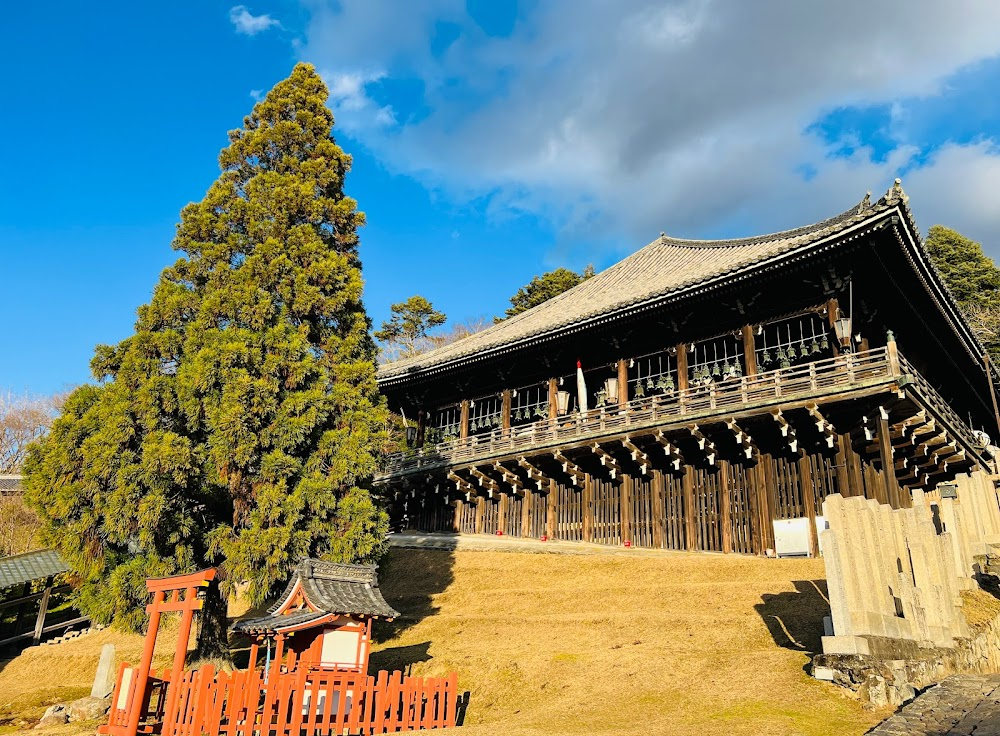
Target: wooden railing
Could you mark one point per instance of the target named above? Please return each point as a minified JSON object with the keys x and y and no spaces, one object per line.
{"x":841,"y":373}
{"x":305,"y":701}
{"x":938,"y":404}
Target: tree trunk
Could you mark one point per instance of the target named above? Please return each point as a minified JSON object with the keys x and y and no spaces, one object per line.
{"x":213,"y":633}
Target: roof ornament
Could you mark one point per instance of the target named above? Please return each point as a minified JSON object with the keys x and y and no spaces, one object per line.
{"x":866,"y":202}
{"x":896,"y":192}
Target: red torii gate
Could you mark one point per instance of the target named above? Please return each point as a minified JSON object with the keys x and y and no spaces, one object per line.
{"x":178,"y":593}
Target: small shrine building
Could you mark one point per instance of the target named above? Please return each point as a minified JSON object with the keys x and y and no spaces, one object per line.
{"x":323,"y":619}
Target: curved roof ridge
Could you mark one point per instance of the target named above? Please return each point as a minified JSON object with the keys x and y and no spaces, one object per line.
{"x":661,"y":268}
{"x":794,"y":232}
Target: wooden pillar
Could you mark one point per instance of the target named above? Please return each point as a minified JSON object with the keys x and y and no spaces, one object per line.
{"x":843,"y":477}
{"x":183,"y":634}
{"x":809,"y":502}
{"x":765,"y":486}
{"x":832,"y":312}
{"x":252,"y":662}
{"x":656,"y":489}
{"x":751,"y":479}
{"x":622,"y":383}
{"x":480,"y":508}
{"x":550,"y":515}
{"x":553,"y":398}
{"x":527,"y":500}
{"x":891,"y":352}
{"x":421,"y":427}
{"x":141,"y":673}
{"x":888,"y":464}
{"x":502,"y":508}
{"x":43,"y":609}
{"x":463,"y":422}
{"x":749,"y":351}
{"x":854,"y":476}
{"x":505,"y":400}
{"x":459,"y":508}
{"x":727,"y":506}
{"x":682,"y":367}
{"x":587,"y":506}
{"x":690,"y":522}
{"x":625,"y":513}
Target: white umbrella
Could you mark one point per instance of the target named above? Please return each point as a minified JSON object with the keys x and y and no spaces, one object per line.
{"x":581,"y":388}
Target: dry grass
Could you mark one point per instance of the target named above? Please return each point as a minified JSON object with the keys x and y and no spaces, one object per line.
{"x":980,"y":608}
{"x":597,"y":645}
{"x":678,"y":644}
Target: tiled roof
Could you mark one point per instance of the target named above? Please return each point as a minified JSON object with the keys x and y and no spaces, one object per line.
{"x":661,"y":269}
{"x":28,"y":566}
{"x":11,"y":484}
{"x":331,"y":587}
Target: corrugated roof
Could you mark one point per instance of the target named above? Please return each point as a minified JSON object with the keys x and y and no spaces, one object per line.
{"x":660,"y":269}
{"x":28,"y":566}
{"x":11,"y":484}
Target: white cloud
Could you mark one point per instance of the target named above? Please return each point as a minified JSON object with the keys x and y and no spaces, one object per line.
{"x":618,"y":120}
{"x":257,"y":94}
{"x":248,"y":24}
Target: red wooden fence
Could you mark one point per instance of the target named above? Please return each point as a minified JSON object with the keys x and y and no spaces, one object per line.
{"x":303,"y":702}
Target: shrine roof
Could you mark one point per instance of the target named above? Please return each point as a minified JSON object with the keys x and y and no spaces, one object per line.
{"x":29,"y":566}
{"x":665,"y":268}
{"x":330,"y":587}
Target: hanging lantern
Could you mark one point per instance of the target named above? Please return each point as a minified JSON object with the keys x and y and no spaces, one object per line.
{"x":601,"y":396}
{"x":738,"y":370}
{"x":766,"y":357}
{"x":791,"y":352}
{"x":639,"y":390}
{"x":727,"y":368}
{"x":562,"y":402}
{"x":814,"y":347}
{"x":661,"y":383}
{"x":611,"y":390}
{"x":668,"y":385}
{"x":842,"y":327}
{"x":824,"y":344}
{"x":544,"y":410}
{"x":716,"y":371}
{"x":519,"y":416}
{"x":781,"y":357}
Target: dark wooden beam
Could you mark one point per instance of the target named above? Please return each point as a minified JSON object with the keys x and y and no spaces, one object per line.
{"x":888,"y":464}
{"x":534,"y":473}
{"x":787,"y":430}
{"x":421,"y":427}
{"x":690,"y":522}
{"x":682,"y":366}
{"x":463,"y":422}
{"x":727,"y":506}
{"x":553,"y":398}
{"x":743,"y":440}
{"x":673,"y":453}
{"x":639,"y":456}
{"x":505,"y":401}
{"x":705,"y":444}
{"x":485,"y":481}
{"x":511,"y":478}
{"x":809,"y":502}
{"x":461,"y":484}
{"x":574,"y":471}
{"x":609,"y":461}
{"x":823,"y":426}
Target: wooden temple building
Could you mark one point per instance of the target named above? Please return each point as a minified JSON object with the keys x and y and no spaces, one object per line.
{"x":702,"y":395}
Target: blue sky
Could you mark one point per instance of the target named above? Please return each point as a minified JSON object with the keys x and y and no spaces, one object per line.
{"x":492,"y":139}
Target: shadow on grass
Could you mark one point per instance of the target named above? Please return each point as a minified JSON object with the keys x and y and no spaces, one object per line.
{"x":795,"y":618}
{"x":410,"y":579}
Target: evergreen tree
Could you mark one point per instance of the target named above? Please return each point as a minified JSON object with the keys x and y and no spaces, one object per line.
{"x":241,"y":423}
{"x":544,"y":287}
{"x":973,"y":279}
{"x":405,"y":333}
{"x":970,"y":274}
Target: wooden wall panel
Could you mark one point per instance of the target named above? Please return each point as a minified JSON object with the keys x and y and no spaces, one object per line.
{"x":512,"y":526}
{"x":642,"y":512}
{"x":606,"y":506}
{"x":569,"y":514}
{"x":491,"y":515}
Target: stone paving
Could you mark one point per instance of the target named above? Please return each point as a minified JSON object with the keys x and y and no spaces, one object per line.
{"x":961,"y":705}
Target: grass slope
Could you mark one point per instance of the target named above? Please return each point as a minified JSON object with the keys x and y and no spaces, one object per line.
{"x":566,"y":644}
{"x":600,"y":644}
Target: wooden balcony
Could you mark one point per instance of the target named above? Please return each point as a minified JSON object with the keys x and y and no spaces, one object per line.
{"x":841,"y":377}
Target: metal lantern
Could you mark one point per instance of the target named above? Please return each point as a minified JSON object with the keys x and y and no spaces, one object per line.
{"x":411,"y":435}
{"x":602,"y":396}
{"x":727,"y":368}
{"x":562,"y":402}
{"x":661,"y":383}
{"x":611,"y":390}
{"x":842,"y":328}
{"x":792,"y":355}
{"x":814,"y":347}
{"x":824,"y":343}
{"x":639,"y":390}
{"x":766,"y":357}
{"x":716,"y":371}
{"x":737,"y":369}
{"x":669,"y":384}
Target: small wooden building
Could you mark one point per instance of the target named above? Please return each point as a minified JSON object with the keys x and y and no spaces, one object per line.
{"x":703,"y":395}
{"x":323,"y":619}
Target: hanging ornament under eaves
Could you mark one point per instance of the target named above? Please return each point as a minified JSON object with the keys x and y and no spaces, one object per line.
{"x":814,"y":347}
{"x":639,"y":390}
{"x":824,"y":344}
{"x":669,"y":384}
{"x":766,"y":357}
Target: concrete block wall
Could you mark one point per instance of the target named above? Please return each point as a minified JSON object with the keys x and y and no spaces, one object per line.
{"x":898,"y":574}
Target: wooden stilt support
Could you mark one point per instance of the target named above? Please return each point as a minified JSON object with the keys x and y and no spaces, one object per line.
{"x":690,"y":522}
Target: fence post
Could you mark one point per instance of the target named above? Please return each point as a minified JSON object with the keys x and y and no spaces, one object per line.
{"x":43,"y":609}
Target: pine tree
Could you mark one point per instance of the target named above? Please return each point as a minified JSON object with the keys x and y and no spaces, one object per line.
{"x":241,"y":423}
{"x":542,"y":288}
{"x":405,"y":333}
